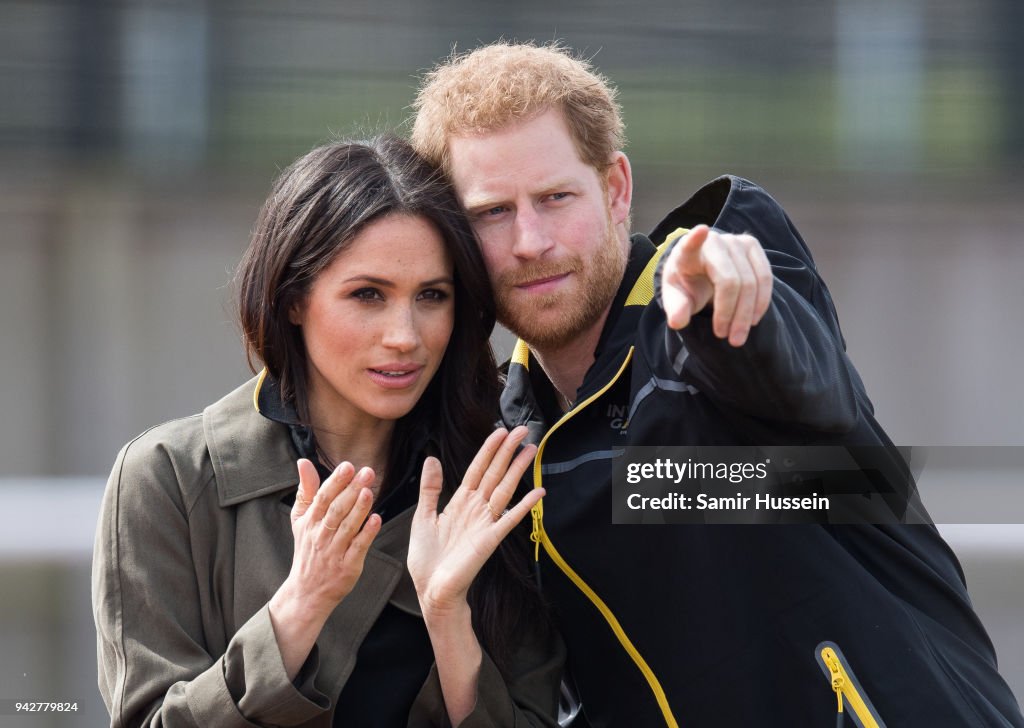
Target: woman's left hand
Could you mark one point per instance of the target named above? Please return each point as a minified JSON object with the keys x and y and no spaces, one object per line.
{"x":448,"y":549}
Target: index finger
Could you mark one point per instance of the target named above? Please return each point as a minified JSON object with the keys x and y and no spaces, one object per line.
{"x":504,"y":490}
{"x":684,"y":259}
{"x":676,"y":302}
{"x":329,"y":489}
{"x":477,"y":468}
{"x":499,"y":465}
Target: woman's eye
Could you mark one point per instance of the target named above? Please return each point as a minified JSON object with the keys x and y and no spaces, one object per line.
{"x":367,"y":294}
{"x":434,"y":294}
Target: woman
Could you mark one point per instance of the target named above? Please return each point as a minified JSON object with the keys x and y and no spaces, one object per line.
{"x":225,"y":595}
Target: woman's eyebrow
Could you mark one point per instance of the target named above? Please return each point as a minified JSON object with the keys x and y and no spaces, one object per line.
{"x":436,"y":281}
{"x":370,"y":279}
{"x":384,"y":282}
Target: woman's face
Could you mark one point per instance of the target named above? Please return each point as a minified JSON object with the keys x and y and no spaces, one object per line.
{"x":377,"y":320}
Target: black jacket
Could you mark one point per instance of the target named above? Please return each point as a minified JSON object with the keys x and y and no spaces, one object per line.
{"x":727,"y":624}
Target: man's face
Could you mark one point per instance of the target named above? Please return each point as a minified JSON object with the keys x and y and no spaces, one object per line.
{"x":553,"y":236}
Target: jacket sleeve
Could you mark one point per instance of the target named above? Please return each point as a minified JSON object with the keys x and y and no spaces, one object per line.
{"x":155,"y":668}
{"x":526,"y":696}
{"x":791,"y":369}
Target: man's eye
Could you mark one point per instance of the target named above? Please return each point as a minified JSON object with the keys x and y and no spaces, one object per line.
{"x":367,"y":294}
{"x":559,"y":195}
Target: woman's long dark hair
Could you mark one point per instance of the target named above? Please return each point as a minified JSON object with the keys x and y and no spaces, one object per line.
{"x":317,"y":206}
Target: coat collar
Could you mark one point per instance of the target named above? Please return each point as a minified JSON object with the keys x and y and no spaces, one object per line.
{"x":252,"y":455}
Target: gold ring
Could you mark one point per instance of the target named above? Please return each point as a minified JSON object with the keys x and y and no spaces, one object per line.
{"x":330,"y":528}
{"x":496,"y":516}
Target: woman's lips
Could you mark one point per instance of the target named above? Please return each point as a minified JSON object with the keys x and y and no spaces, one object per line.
{"x":395,"y":376}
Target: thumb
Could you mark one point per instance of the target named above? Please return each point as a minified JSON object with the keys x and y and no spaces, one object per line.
{"x":430,"y":488}
{"x":309,"y":482}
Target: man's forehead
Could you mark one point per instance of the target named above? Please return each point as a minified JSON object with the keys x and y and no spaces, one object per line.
{"x":538,"y":153}
{"x":477,"y":188}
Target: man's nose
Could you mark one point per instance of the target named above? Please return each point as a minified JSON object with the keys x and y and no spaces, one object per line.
{"x":531,"y":240}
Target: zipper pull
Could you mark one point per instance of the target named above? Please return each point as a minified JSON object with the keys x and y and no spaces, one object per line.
{"x":838,"y":682}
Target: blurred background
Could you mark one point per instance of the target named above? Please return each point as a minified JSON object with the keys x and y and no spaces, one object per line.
{"x":138,"y":140}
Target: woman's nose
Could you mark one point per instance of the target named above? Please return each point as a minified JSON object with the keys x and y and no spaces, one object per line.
{"x":401,"y":332}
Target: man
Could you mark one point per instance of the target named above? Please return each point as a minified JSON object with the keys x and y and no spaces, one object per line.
{"x":728,"y":338}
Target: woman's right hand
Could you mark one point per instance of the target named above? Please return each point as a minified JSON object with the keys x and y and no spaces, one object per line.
{"x":332,"y":536}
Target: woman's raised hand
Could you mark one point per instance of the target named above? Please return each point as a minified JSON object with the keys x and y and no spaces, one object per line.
{"x":332,"y":535}
{"x":332,"y":532}
{"x":448,"y":549}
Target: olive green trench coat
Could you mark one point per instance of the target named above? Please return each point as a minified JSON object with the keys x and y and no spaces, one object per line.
{"x":194,"y":539}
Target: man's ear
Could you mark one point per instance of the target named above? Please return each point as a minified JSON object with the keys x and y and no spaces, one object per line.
{"x":619,"y":185}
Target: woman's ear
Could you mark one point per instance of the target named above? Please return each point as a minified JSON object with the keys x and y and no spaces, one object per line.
{"x":297,"y":312}
{"x":619,"y":185}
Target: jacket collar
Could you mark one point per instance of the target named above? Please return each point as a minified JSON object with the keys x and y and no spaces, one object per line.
{"x":621,"y":323}
{"x":252,"y":455}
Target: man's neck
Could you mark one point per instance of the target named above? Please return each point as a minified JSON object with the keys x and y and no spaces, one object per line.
{"x":566,"y":365}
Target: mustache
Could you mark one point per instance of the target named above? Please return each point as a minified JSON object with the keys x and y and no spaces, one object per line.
{"x":539,"y":271}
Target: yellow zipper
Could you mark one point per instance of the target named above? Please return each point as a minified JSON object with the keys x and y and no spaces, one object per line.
{"x":845,"y":687}
{"x":640,"y":295}
{"x":540,"y":538}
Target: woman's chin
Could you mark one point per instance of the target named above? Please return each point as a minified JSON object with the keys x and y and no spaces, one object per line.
{"x":394,"y":410}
